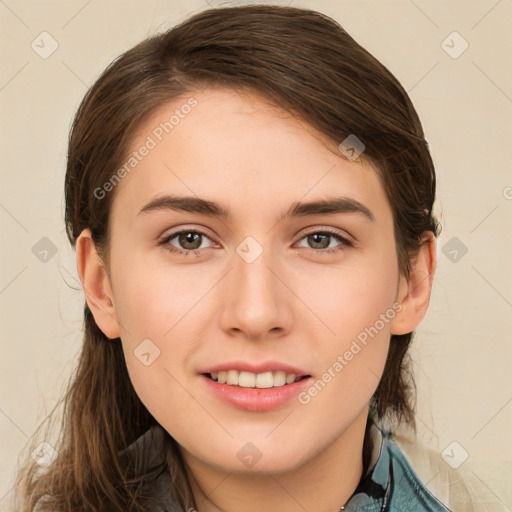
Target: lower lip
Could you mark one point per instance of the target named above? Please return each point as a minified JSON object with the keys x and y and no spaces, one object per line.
{"x":256,"y":399}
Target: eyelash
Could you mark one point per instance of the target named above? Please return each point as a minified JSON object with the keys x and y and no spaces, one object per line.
{"x":344,"y":242}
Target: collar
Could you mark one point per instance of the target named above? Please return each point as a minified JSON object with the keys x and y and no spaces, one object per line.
{"x":390,"y":484}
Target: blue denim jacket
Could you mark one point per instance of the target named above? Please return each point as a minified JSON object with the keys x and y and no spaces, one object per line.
{"x":391,"y":485}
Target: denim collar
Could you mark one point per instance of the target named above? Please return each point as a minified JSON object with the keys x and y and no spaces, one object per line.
{"x":390,"y":484}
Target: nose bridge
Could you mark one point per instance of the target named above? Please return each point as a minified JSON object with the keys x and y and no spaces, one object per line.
{"x":255,"y":302}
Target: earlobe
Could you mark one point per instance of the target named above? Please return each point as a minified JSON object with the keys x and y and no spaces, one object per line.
{"x":414,"y":293}
{"x":96,"y":285}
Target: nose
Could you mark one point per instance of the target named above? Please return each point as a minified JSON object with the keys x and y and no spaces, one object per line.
{"x":256,"y":299}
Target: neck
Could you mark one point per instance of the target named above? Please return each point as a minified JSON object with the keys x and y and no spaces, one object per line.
{"x":324,"y":483}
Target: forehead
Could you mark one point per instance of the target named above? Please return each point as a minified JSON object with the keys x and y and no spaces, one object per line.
{"x":238,"y":149}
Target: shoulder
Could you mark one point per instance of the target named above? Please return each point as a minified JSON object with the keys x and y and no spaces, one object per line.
{"x":458,"y":489}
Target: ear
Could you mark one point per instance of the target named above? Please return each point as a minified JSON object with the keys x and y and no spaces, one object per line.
{"x":96,"y":285}
{"x":414,"y":293}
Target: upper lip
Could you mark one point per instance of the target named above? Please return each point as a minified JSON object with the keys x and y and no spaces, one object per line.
{"x":268,"y":366}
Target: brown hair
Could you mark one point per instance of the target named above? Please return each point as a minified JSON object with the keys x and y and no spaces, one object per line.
{"x":305,"y":63}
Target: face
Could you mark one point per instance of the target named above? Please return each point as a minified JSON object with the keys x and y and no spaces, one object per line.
{"x":272,"y":292}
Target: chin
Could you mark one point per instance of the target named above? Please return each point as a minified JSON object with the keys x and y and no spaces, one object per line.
{"x":247,"y":458}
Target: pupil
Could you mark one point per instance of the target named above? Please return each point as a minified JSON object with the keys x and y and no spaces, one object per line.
{"x":188,"y":238}
{"x":317,"y":239}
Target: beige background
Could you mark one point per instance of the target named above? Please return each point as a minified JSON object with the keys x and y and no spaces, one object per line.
{"x":463,"y":347}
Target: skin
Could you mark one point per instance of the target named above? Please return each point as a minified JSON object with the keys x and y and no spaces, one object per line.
{"x":291,"y":304}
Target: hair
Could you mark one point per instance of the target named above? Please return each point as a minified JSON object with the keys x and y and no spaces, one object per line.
{"x":305,"y":63}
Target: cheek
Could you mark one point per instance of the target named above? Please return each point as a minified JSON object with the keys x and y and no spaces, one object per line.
{"x":158,"y":367}
{"x":351,"y":298}
{"x":356,"y":306}
{"x":154,"y":300}
{"x":152,"y":311}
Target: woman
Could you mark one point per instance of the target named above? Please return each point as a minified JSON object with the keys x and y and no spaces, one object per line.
{"x":250,"y":197}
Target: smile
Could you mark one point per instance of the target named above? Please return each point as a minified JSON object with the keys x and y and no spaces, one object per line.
{"x":247,"y":379}
{"x":255,"y":392}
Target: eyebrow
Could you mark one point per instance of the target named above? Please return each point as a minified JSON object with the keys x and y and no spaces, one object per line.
{"x":297,"y":209}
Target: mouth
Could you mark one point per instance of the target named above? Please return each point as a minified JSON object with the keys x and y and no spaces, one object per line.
{"x":255,"y":387}
{"x":246,"y":379}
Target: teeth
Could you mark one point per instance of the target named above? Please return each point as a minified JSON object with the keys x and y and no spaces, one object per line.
{"x":254,"y":380}
{"x":245,"y":379}
{"x":279,"y":379}
{"x":265,"y":380}
{"x":232,"y":377}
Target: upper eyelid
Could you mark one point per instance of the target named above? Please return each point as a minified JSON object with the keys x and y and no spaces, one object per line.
{"x":330,"y":231}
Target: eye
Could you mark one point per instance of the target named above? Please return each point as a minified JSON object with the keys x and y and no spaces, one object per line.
{"x":190,"y":241}
{"x":320,"y":241}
